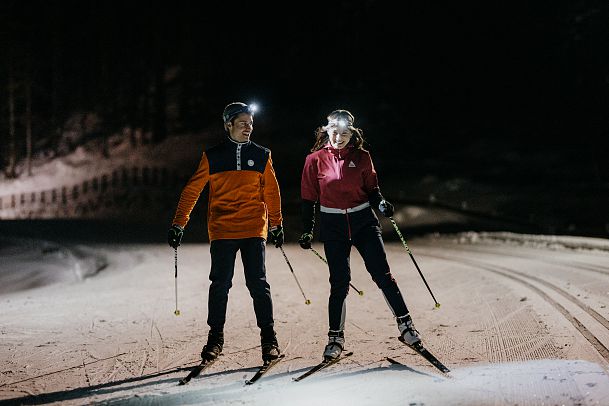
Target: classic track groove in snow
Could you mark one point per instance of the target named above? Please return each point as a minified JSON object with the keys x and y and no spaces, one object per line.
{"x":558,"y":304}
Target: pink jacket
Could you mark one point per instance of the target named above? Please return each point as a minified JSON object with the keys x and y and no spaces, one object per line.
{"x":338,"y":179}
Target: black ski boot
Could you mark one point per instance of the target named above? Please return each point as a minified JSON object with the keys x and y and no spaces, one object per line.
{"x":335,"y":346}
{"x":408,"y":334}
{"x":213,"y":348}
{"x":269,"y":344}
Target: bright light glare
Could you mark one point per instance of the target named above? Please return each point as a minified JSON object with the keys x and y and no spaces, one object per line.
{"x":342,"y":123}
{"x":253,"y":107}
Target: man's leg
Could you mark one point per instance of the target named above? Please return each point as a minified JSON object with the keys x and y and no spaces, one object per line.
{"x":253,"y":257}
{"x":223,"y":254}
{"x":222,"y":268}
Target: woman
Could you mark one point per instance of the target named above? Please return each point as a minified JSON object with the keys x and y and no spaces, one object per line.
{"x":339,"y":175}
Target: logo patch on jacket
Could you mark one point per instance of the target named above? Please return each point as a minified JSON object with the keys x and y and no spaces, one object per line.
{"x":351,"y":164}
{"x":250,"y":162}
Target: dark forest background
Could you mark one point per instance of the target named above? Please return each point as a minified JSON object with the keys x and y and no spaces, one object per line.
{"x":513,"y":95}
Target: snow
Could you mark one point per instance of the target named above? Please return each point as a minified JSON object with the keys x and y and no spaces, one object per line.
{"x":28,"y":263}
{"x":545,"y":241}
{"x":84,"y":323}
{"x":88,"y":159}
{"x":98,"y":326}
{"x":538,"y":382}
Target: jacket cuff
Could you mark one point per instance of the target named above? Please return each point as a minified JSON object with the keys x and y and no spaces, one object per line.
{"x":375,"y":198}
{"x":308,"y":215}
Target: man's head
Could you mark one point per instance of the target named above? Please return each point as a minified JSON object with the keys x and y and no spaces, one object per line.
{"x":239,"y":120}
{"x":232,"y":110}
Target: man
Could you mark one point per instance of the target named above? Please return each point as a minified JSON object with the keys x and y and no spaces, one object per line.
{"x":244,"y":203}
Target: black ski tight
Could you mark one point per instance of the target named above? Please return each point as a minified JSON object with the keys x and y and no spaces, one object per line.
{"x":223,"y":254}
{"x":369,"y":243}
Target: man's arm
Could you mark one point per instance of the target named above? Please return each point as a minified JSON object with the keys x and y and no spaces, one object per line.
{"x":191,"y":192}
{"x":272,"y":196}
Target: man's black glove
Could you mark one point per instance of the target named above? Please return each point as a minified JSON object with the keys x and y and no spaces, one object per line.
{"x":386,"y":208}
{"x":276,"y":236}
{"x":305,"y":240}
{"x":174,"y":235}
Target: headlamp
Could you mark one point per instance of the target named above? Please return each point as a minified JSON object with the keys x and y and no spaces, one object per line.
{"x":234,"y":109}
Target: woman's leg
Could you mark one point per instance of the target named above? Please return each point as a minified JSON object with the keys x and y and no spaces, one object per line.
{"x":370,"y":245}
{"x":337,"y":254}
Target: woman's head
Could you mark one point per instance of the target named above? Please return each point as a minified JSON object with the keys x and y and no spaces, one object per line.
{"x":339,"y":131}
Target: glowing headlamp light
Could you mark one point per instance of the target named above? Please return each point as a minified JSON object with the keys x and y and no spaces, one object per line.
{"x":237,"y":108}
{"x":341,"y":124}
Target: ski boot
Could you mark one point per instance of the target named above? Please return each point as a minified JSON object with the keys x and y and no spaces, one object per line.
{"x":213,"y":348}
{"x":335,"y":346}
{"x":269,"y":344}
{"x":408,"y":334}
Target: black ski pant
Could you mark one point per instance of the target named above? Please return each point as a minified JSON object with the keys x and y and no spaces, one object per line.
{"x":223,"y":254}
{"x":369,"y":243}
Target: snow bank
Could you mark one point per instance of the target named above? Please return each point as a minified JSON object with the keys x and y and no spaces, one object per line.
{"x":555,"y":242}
{"x":28,"y":263}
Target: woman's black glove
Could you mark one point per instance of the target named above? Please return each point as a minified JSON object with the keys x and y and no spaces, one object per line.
{"x":305,"y":240}
{"x":386,"y":208}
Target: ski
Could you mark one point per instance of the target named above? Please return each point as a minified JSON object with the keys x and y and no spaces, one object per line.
{"x":421,"y":350}
{"x":392,"y":361}
{"x":323,"y":364}
{"x":264,"y":369}
{"x":196,"y":371}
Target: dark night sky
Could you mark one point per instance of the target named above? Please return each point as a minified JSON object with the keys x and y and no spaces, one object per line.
{"x":443,"y":82}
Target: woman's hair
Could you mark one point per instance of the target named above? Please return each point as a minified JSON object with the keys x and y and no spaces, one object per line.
{"x":321,"y":134}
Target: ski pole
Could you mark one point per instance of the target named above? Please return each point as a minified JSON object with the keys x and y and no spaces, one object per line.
{"x":359,"y":292}
{"x":177,"y":311}
{"x":397,"y":230}
{"x":307,"y":301}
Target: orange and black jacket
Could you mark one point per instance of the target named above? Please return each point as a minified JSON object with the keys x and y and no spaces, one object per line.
{"x":244,"y":194}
